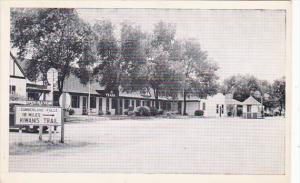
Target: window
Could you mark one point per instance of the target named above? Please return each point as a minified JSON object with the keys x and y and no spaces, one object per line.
{"x":248,"y":108}
{"x":114,"y":103}
{"x":92,"y":102}
{"x":169,"y":106}
{"x":12,"y":89}
{"x":148,"y":103}
{"x":132,"y":103}
{"x":100,"y":104}
{"x":56,"y":99}
{"x":75,"y":101}
{"x":143,"y":103}
{"x":217,"y":109}
{"x":203,"y":106}
{"x":222,"y":109}
{"x":164,"y":105}
{"x":138,"y":103}
{"x":126,"y":104}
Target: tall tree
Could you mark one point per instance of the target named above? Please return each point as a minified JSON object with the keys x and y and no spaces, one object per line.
{"x":157,"y":71}
{"x":198,"y":73}
{"x":48,"y":38}
{"x":119,"y":61}
{"x":279,"y":93}
{"x":241,"y":86}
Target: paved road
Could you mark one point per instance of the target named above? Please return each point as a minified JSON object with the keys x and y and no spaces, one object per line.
{"x":205,"y":146}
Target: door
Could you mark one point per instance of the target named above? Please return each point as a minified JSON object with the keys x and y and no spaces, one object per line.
{"x":179,"y":107}
{"x":84,"y":105}
{"x":121,"y":107}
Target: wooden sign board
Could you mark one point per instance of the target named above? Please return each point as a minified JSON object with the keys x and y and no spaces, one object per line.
{"x":39,"y":102}
{"x":37,"y":115}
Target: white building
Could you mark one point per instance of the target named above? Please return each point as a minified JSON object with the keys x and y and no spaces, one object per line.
{"x":17,"y":80}
{"x":252,"y":108}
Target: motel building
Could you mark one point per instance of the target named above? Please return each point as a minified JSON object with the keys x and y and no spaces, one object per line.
{"x":92,"y":99}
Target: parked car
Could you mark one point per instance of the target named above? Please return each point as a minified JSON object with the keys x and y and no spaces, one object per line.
{"x":12,"y":123}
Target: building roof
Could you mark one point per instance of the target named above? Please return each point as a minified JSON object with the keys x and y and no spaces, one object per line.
{"x":73,"y":84}
{"x":251,"y":101}
{"x":232,"y":101}
{"x":18,"y":64}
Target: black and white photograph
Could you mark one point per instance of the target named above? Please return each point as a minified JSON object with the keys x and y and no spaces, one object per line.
{"x":148,"y":91}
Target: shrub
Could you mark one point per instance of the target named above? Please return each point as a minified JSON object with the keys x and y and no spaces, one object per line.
{"x":108,"y":113}
{"x":126,"y":112}
{"x":100,"y":113}
{"x":153,"y":111}
{"x":130,"y":108}
{"x":229,"y":113}
{"x":199,"y":113}
{"x":131,"y":113}
{"x":142,"y":111}
{"x":71,"y":111}
{"x":160,"y":111}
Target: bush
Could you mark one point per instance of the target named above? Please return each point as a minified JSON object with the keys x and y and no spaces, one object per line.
{"x":229,"y":113}
{"x":71,"y":111}
{"x":131,"y":113}
{"x":199,"y":113}
{"x":108,"y":113}
{"x":130,"y":108}
{"x":160,"y":112}
{"x":153,"y":111}
{"x":142,"y":111}
{"x":100,"y":113}
{"x":126,"y":112}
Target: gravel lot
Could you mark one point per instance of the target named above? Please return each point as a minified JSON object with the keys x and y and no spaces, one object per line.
{"x":196,"y":145}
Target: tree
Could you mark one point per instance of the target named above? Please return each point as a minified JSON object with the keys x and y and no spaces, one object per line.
{"x":156,"y":71}
{"x":133,"y":57}
{"x":241,"y":86}
{"x":279,"y":93}
{"x":198,"y":73}
{"x":48,"y":38}
{"x":119,"y":61}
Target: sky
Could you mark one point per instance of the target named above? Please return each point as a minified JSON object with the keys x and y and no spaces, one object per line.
{"x":240,"y":41}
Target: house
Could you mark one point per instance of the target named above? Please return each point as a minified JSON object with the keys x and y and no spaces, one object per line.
{"x":93,"y":99}
{"x":221,"y":105}
{"x":20,"y":87}
{"x":17,"y":80}
{"x":214,"y":106}
{"x":252,"y":108}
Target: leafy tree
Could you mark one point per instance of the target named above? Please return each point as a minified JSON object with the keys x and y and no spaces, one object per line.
{"x":48,"y":38}
{"x":198,"y":73}
{"x":157,"y":73}
{"x":241,"y":86}
{"x":279,"y":93}
{"x":133,"y":57}
{"x":119,"y":61}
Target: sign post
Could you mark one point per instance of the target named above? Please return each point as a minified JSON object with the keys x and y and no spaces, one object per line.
{"x":38,"y":116}
{"x":52,"y":75}
{"x":62,"y":135}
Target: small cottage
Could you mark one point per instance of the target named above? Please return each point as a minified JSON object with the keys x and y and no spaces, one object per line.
{"x":252,"y":108}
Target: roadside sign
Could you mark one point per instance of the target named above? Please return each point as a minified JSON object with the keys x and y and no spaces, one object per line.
{"x":36,"y":115}
{"x":52,"y":76}
{"x":67,"y":100}
{"x":39,"y":102}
